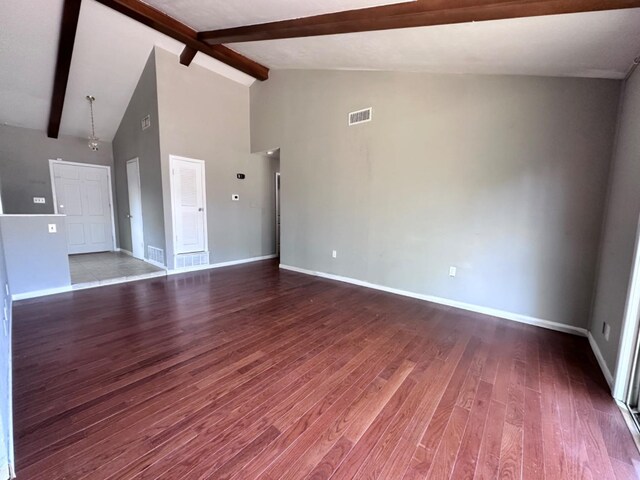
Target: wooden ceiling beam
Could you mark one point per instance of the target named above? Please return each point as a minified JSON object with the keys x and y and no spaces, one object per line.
{"x":171,"y":27}
{"x":187,"y":55}
{"x":420,"y":13}
{"x":68,"y":28}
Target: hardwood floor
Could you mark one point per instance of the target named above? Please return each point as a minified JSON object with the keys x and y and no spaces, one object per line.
{"x":250,"y":372}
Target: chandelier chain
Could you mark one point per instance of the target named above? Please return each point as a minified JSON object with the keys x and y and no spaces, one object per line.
{"x":93,"y":128}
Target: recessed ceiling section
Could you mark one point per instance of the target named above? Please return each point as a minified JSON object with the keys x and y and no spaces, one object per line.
{"x":215,"y":14}
{"x":598,"y":44}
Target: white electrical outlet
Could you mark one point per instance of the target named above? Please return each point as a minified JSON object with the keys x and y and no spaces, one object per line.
{"x":39,"y":200}
{"x":606,"y":330}
{"x":235,"y":197}
{"x":53,"y":228}
{"x":334,"y":254}
{"x":453,"y":271}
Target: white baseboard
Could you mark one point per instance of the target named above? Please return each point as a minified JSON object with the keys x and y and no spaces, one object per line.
{"x":603,"y":365}
{"x":516,"y":317}
{"x":40,"y":293}
{"x":209,"y":266}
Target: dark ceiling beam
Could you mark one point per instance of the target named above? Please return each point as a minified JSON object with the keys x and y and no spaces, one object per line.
{"x":68,"y":28}
{"x":171,"y":27}
{"x":187,"y":55}
{"x":421,"y":13}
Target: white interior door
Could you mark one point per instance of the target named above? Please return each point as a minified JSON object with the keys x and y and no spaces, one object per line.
{"x":83,"y":194}
{"x":188,"y":198}
{"x":135,"y":208}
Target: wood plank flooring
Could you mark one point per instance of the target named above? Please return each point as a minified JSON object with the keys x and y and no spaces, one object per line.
{"x":253,"y":373}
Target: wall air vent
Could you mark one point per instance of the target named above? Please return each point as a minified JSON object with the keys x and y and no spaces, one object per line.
{"x":155,"y":256}
{"x":361,"y":116}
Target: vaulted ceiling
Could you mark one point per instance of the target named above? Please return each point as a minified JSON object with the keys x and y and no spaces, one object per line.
{"x":111,"y":49}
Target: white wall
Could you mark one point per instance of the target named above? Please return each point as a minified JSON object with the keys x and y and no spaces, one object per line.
{"x":623,"y":209}
{"x":133,"y":142}
{"x":503,"y":177}
{"x":24,"y":165}
{"x":206,"y":116}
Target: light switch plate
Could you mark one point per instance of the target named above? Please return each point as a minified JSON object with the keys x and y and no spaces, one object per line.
{"x":39,"y":200}
{"x":53,"y":228}
{"x":453,"y":271}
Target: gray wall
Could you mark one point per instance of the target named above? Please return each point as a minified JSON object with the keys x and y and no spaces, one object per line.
{"x":6,"y":416}
{"x":131,"y":142}
{"x":621,"y":225}
{"x":206,"y":116}
{"x":24,"y":165}
{"x":503,"y":177}
{"x":35,"y":259}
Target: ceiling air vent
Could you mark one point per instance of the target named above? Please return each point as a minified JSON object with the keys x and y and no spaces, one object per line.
{"x":361,"y":116}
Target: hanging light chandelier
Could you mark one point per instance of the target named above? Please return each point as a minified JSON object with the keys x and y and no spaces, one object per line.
{"x":93,"y":140}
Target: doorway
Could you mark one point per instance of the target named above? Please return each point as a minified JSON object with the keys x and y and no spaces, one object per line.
{"x":188,"y":201}
{"x":135,"y":208}
{"x":82,"y":192}
{"x":626,"y":383}
{"x":277,"y":187}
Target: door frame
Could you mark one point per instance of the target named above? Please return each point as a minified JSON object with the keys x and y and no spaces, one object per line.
{"x":59,"y":161}
{"x":278,"y":224}
{"x":172,"y":159}
{"x":137,"y":162}
{"x":629,"y":335}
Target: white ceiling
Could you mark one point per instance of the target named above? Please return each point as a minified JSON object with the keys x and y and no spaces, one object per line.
{"x":109,"y":55}
{"x":601,"y":44}
{"x":214,"y":14}
{"x":111,"y":50}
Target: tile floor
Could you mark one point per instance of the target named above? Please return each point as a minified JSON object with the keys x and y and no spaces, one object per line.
{"x":98,"y":267}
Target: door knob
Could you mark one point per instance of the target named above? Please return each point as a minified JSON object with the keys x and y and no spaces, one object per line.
{"x":201,"y":209}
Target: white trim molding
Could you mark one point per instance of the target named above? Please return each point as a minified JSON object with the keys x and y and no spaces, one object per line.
{"x":516,"y":317}
{"x":603,"y":365}
{"x":210,"y":266}
{"x":40,"y":293}
{"x":628,"y":345}
{"x":112,"y":206}
{"x":205,"y":224}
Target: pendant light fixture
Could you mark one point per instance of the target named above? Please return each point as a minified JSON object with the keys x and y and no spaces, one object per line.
{"x":93,"y":140}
